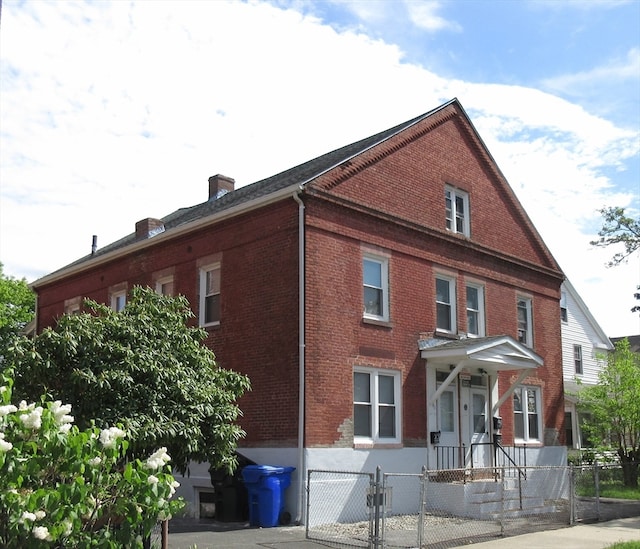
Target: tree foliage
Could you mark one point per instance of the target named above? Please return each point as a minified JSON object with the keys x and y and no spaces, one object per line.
{"x":144,"y":368}
{"x":618,"y":228}
{"x":612,"y":408}
{"x":17,"y":308}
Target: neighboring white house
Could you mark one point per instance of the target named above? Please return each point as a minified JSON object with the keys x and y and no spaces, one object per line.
{"x":584,"y":348}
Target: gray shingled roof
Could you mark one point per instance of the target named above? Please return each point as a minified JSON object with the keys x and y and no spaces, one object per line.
{"x":299,"y":175}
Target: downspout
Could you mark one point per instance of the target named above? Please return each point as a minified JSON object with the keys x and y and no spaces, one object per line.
{"x":302,"y":474}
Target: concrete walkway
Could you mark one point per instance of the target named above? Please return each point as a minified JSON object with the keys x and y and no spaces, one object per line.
{"x":191,"y":534}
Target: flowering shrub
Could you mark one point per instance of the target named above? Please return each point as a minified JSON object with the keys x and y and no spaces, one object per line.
{"x":62,"y":487}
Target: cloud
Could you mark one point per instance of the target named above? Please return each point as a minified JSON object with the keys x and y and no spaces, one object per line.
{"x":424,"y":14}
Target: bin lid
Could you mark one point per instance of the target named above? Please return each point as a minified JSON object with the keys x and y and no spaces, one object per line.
{"x":253,"y":473}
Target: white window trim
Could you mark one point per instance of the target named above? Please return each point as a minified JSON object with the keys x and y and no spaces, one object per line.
{"x":564,"y":311}
{"x":453,"y":303}
{"x":525,"y":413}
{"x":384,"y":274}
{"x":529,"y":334}
{"x":578,"y":358}
{"x":397,"y":394}
{"x":202,"y":292}
{"x":466,"y":225}
{"x":481,"y":309}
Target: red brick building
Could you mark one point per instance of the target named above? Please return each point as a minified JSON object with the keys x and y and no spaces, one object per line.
{"x":387,"y":299}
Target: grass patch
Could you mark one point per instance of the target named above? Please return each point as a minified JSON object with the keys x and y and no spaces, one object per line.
{"x":625,"y":545}
{"x":611,"y":489}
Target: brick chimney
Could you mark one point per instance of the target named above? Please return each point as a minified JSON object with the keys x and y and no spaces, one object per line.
{"x":146,"y":228}
{"x":220,"y":185}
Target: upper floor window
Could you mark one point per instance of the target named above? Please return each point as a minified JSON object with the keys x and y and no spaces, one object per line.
{"x":164,"y":286}
{"x":210,"y":295}
{"x":457,"y":210}
{"x":525,"y":325}
{"x":527,"y":418}
{"x":577,"y":358}
{"x":375,"y":280}
{"x":446,"y":304}
{"x":73,"y":306}
{"x":118,"y":300}
{"x":475,"y":310}
{"x":376,"y":405}
{"x":564,"y":315}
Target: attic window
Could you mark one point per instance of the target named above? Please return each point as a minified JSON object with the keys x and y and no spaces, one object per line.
{"x":457,"y":210}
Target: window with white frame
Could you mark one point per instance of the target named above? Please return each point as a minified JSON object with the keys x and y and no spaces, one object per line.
{"x":375,"y":281}
{"x":527,"y":417}
{"x":118,"y":300}
{"x":376,"y":406}
{"x":210,"y":295}
{"x":164,"y":286}
{"x":475,"y":310}
{"x":577,"y":358}
{"x":446,"y":412}
{"x":446,"y":304}
{"x":564,"y":314}
{"x":525,"y":325}
{"x":457,"y":210}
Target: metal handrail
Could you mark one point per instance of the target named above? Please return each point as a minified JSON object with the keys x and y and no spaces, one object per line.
{"x":497,"y":446}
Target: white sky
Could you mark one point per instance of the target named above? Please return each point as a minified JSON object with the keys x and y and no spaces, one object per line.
{"x":113,"y":112}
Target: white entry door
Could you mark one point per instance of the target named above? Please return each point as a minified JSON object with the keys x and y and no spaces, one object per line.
{"x":479,"y":428}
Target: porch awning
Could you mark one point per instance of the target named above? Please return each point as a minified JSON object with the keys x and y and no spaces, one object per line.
{"x":491,"y":354}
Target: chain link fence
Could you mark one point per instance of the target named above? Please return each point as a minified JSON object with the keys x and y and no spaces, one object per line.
{"x":446,"y":508}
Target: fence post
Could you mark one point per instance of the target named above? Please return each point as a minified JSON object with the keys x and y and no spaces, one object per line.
{"x":306,"y":528}
{"x":423,"y":503}
{"x":376,"y":510}
{"x":596,"y":481}
{"x":572,"y":495}
{"x":502,"y":472}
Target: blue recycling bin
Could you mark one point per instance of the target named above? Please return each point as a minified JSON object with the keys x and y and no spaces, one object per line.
{"x":266,"y":485}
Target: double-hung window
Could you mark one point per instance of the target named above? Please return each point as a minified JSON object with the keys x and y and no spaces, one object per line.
{"x":475,"y":310}
{"x":446,"y":304}
{"x":527,"y":418}
{"x":118,"y":300}
{"x":525,"y":324}
{"x":210,"y":295}
{"x":577,"y":358}
{"x":164,"y":286}
{"x":375,"y":280}
{"x":457,"y":210}
{"x":564,"y":314}
{"x":376,"y":406}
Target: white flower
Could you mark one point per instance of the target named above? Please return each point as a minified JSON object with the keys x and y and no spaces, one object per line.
{"x":158,"y":459}
{"x":41,"y":532}
{"x":28,"y":516}
{"x":60,"y":412}
{"x":94,"y":462}
{"x":108,"y":436}
{"x":7,"y":409}
{"x":172,"y":487}
{"x":5,"y":446}
{"x":24,"y":406}
{"x":68,"y":527}
{"x":152,"y":479}
{"x":33,"y":419}
{"x":65,"y":428}
{"x":40,"y":515}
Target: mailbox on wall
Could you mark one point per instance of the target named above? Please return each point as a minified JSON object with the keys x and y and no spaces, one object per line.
{"x":497,"y":423}
{"x":435,"y":437}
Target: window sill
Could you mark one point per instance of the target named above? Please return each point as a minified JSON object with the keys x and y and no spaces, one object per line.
{"x":528,"y":443}
{"x":377,"y":445}
{"x":210,"y":326}
{"x":376,"y":322}
{"x":445,"y":335}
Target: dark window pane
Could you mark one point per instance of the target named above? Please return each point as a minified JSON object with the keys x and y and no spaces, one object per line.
{"x":387,"y":421}
{"x":212,"y":309}
{"x":361,"y":387}
{"x":444,"y":316}
{"x":385,"y":390}
{"x":362,"y":420}
{"x":372,"y":301}
{"x":533,"y":426}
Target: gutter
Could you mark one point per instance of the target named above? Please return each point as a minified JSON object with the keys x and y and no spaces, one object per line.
{"x":301,"y":357}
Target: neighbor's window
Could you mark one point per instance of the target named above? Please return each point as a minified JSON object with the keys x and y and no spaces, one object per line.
{"x":527,"y":419}
{"x":577,"y":358}
{"x":475,"y":310}
{"x":525,"y":327}
{"x":446,"y":304}
{"x":376,"y":406}
{"x":457,"y":210}
{"x":210,"y":295}
{"x":564,"y":315}
{"x":375,"y":281}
